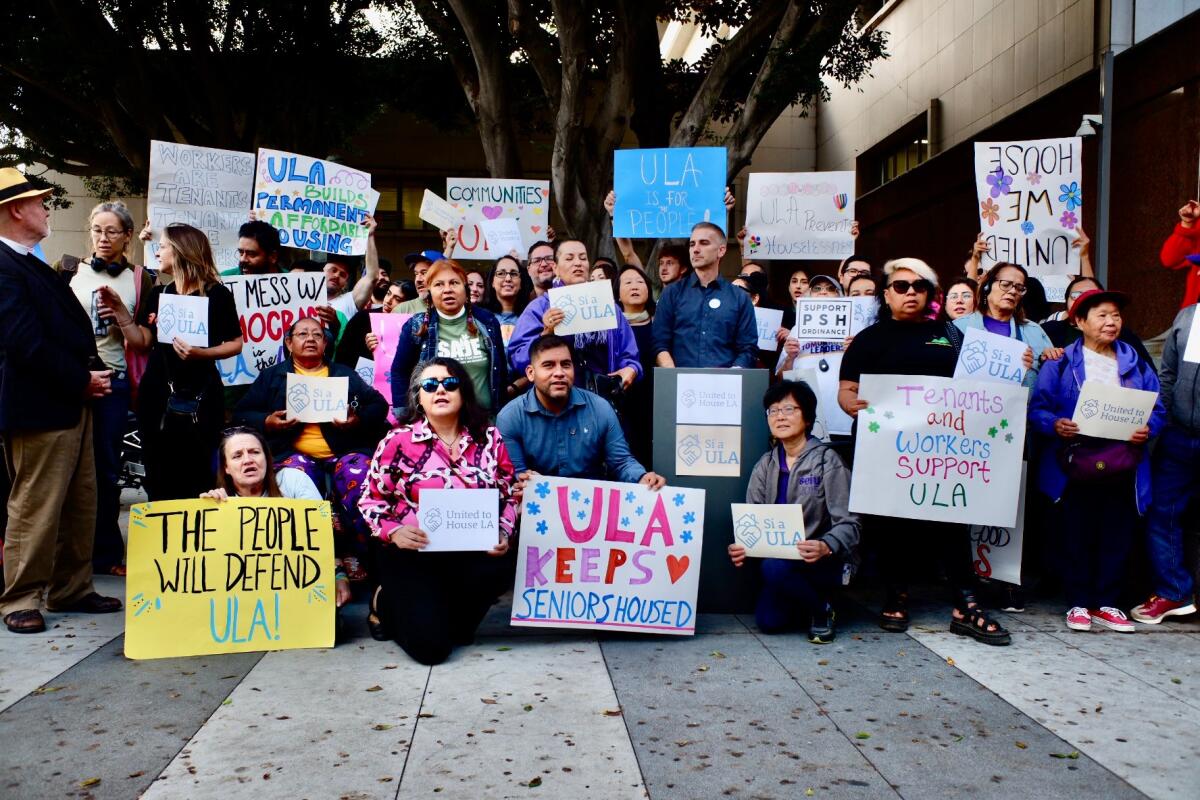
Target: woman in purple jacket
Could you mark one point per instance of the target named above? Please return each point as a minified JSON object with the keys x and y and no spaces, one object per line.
{"x":1103,"y":484}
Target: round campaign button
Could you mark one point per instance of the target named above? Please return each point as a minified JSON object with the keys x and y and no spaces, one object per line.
{"x":714,"y":303}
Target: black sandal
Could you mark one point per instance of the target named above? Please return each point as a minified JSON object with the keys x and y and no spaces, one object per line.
{"x":374,"y":624}
{"x":979,"y":626}
{"x":894,"y":616}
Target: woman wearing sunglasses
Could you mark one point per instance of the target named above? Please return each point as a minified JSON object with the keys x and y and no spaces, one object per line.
{"x":430,"y":602}
{"x":906,"y":342}
{"x":1001,"y":311}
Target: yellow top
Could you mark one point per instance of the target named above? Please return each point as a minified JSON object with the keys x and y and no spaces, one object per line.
{"x":311,"y":442}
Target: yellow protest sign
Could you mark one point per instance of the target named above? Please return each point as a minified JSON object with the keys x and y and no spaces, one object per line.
{"x":233,"y":577}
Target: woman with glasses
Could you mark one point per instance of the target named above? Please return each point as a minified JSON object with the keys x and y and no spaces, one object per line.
{"x":906,"y":342}
{"x":506,"y":292}
{"x":637,"y":305}
{"x":1001,"y":311}
{"x":453,"y":327}
{"x":960,"y":299}
{"x":801,"y":469}
{"x":431,"y":602}
{"x":112,"y":291}
{"x":1062,"y":330}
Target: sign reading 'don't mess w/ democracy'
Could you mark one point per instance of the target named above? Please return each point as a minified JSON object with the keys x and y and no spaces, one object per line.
{"x":608,"y":556}
{"x":267,"y":305}
{"x":939,"y":449}
{"x":232,"y":577}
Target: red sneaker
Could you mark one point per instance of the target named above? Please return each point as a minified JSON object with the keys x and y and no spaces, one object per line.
{"x":1078,"y":619}
{"x":1112,"y":618}
{"x":1156,"y":609}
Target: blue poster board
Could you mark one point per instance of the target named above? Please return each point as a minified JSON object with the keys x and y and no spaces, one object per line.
{"x":662,"y":193}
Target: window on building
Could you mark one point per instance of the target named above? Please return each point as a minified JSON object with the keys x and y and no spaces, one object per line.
{"x":400,"y":204}
{"x":898,"y":153}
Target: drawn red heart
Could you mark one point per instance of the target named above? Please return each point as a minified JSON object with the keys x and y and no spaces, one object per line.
{"x":492,"y":212}
{"x":677,"y":566}
{"x":535,"y":228}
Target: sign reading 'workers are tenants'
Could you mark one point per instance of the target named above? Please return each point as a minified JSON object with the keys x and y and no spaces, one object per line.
{"x":231,"y":577}
{"x":608,"y":556}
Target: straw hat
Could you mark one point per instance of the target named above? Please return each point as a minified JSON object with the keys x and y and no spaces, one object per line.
{"x":15,"y":186}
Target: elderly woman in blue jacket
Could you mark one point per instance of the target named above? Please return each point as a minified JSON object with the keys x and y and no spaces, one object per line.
{"x":1000,"y":311}
{"x":1103,"y":485}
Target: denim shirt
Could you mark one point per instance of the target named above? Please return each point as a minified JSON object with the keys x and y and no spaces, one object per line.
{"x":696,"y":334}
{"x":584,"y":441}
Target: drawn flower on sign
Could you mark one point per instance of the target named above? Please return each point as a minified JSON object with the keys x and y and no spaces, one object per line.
{"x":989,"y":211}
{"x":534,"y":509}
{"x":542,"y":527}
{"x":542,"y":490}
{"x":1068,"y":220}
{"x":640,"y":510}
{"x":1003,"y":423}
{"x":1070,"y":195}
{"x":1034,"y":178}
{"x":888,"y":414}
{"x":999,"y":182}
{"x":629,"y":497}
{"x":587,"y":501}
{"x":992,"y":431}
{"x":685,"y":537}
{"x":575,"y":495}
{"x":580,"y":514}
{"x":625,"y":521}
{"x":873,"y":427}
{"x":677,"y":499}
{"x":1026,"y":227}
{"x":1008,"y":437}
{"x":689,"y":517}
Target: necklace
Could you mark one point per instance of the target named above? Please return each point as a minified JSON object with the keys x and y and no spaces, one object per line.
{"x":449,"y":444}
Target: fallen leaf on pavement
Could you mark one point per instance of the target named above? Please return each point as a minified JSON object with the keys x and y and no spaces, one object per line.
{"x":862,"y":735}
{"x":375,"y":688}
{"x":702,"y":668}
{"x":612,"y":712}
{"x":533,"y":784}
{"x":1072,"y":755}
{"x":382,"y":726}
{"x":88,"y":782}
{"x":490,"y":701}
{"x":717,"y":654}
{"x":47,"y":689}
{"x":1021,"y":745}
{"x":950,"y":661}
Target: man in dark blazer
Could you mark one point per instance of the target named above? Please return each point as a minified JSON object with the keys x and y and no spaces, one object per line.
{"x":49,"y":374}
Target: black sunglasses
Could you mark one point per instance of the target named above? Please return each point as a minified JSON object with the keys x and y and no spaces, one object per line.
{"x":920,"y":286}
{"x":430,"y":385}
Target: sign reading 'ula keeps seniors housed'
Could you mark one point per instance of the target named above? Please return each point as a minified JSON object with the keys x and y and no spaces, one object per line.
{"x":608,"y":556}
{"x":801,"y":215}
{"x":314,"y":204}
{"x":939,"y":449}
{"x":232,"y":577}
{"x":1030,"y":198}
{"x":662,"y":193}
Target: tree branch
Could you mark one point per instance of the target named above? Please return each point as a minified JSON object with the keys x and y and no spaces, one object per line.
{"x":539,"y":48}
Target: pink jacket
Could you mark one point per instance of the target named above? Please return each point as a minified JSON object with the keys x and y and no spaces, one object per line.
{"x":411,"y":457}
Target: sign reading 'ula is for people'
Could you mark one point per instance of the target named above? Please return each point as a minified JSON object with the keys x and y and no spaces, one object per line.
{"x":608,"y":556}
{"x":940,"y":449}
{"x":662,"y":193}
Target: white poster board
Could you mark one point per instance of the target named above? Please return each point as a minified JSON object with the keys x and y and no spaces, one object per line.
{"x":365,"y":368}
{"x":705,"y":399}
{"x":1029,"y":203}
{"x":768,"y":530}
{"x":941,"y":449}
{"x":267,"y":305}
{"x":1112,"y":412}
{"x":800,"y":215}
{"x":1191,"y":351}
{"x":996,"y":551}
{"x":866,"y":314}
{"x":987,"y":356}
{"x":527,"y":202}
{"x":503,"y":236}
{"x":821,"y":372}
{"x":608,"y":556}
{"x":459,"y":519}
{"x":183,"y":317}
{"x":586,"y":307}
{"x":823,"y":319}
{"x":438,"y":213}
{"x":316,"y":400}
{"x":207,"y":188}
{"x":769,"y":321}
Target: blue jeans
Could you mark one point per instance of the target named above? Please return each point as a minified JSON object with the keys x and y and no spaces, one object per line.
{"x":794,"y":590}
{"x":109,"y":418}
{"x":1175,"y":479}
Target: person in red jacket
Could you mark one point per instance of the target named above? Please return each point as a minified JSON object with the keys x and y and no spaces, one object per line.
{"x":1181,"y":250}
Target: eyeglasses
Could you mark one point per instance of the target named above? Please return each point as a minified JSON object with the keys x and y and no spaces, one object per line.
{"x":449,"y":383}
{"x":857,"y":273}
{"x":782,"y":411}
{"x":308,"y":335}
{"x":542,"y":260}
{"x":1012,"y":286}
{"x":920,"y":286}
{"x":959,"y":296}
{"x":507,"y":274}
{"x":107,"y":233}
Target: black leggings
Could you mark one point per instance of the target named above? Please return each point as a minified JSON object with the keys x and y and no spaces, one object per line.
{"x":432,"y":602}
{"x":908,"y":546}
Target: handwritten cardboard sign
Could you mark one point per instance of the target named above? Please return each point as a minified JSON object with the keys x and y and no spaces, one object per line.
{"x":768,"y":320}
{"x":387,"y":328}
{"x":586,"y":307}
{"x":459,"y":519}
{"x":821,"y":319}
{"x":608,"y":556}
{"x":939,"y":448}
{"x":708,"y":399}
{"x":314,"y":204}
{"x":714,"y":450}
{"x":800,"y":215}
{"x":662,"y":193}
{"x":267,"y":305}
{"x":988,"y":356}
{"x":996,"y":550}
{"x":184,"y":317}
{"x":527,"y":202}
{"x":316,"y":400}
{"x":233,"y":577}
{"x":1030,"y":199}
{"x":438,"y":213}
{"x":1112,"y":412}
{"x":205,"y":187}
{"x":768,"y":530}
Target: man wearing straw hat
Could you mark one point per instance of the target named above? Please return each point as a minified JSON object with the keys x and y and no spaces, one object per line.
{"x":49,"y":374}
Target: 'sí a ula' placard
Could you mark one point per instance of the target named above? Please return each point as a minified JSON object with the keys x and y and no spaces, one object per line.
{"x":232,"y":577}
{"x":988,"y":356}
{"x":768,"y":531}
{"x":702,"y":399}
{"x":459,"y":519}
{"x":438,"y":213}
{"x":315,"y":400}
{"x":768,"y":321}
{"x":183,"y":317}
{"x":714,"y":450}
{"x":1112,"y":412}
{"x":801,"y":215}
{"x":821,"y":319}
{"x":608,"y":556}
{"x":365,"y":368}
{"x":586,"y":307}
{"x":503,"y":235}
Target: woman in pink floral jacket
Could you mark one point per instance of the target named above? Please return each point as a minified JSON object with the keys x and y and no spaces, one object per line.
{"x":430,"y":602}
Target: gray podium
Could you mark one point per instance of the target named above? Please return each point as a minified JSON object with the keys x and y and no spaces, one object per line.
{"x":723,"y":589}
